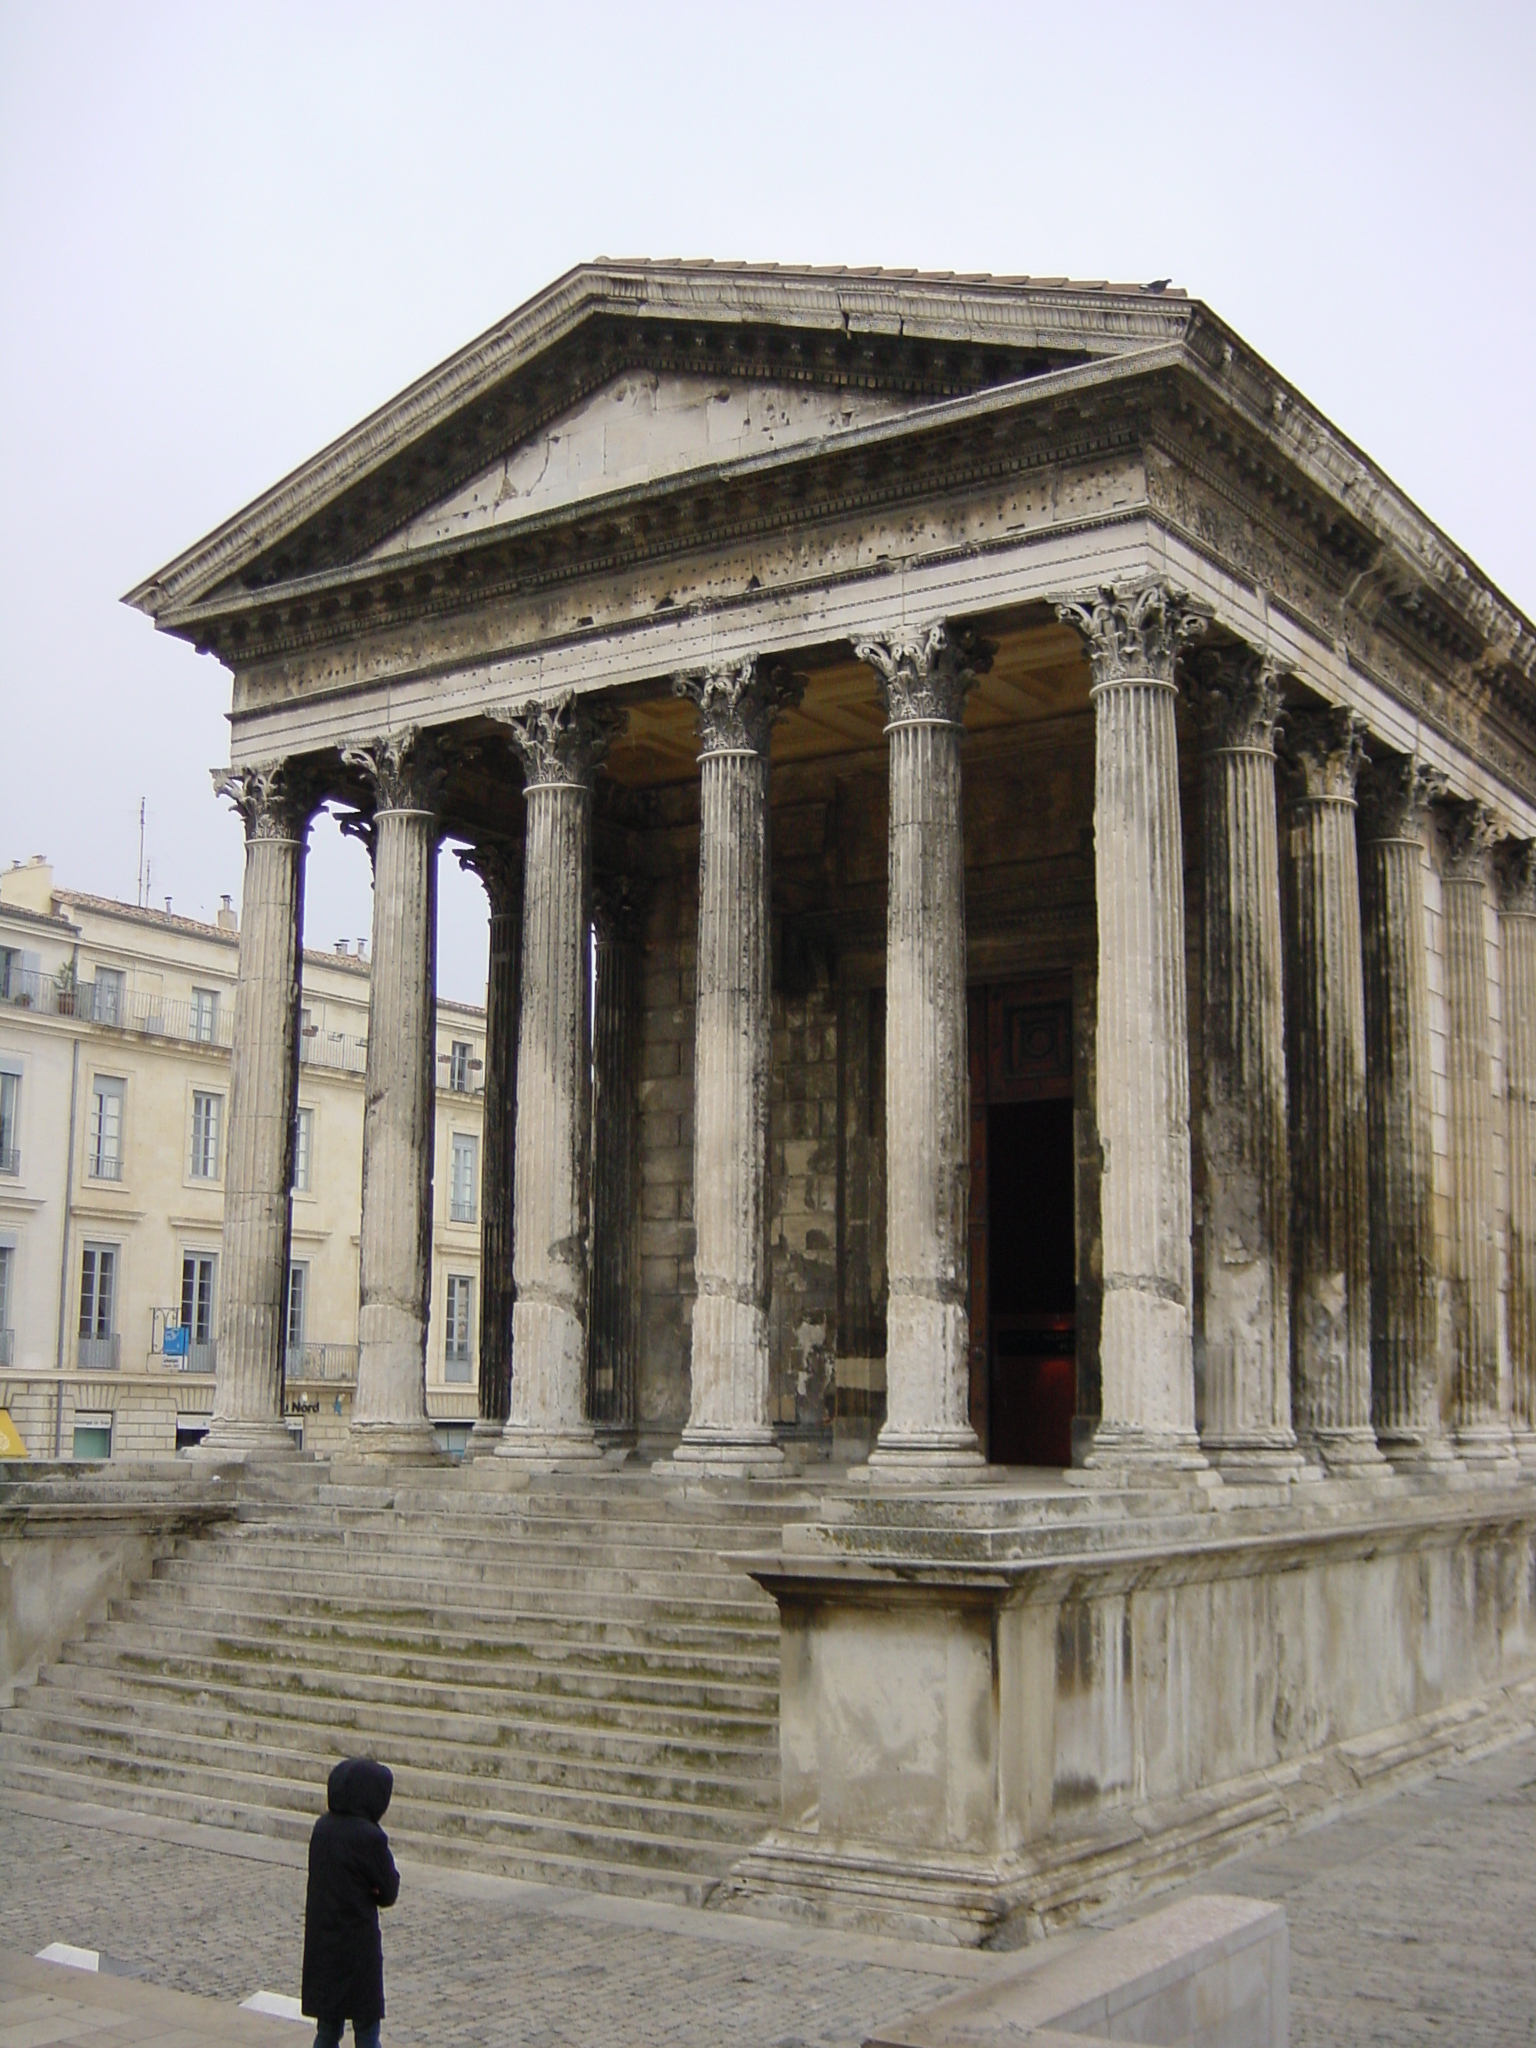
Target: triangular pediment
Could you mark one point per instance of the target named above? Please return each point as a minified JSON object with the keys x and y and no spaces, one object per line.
{"x":642,"y":427}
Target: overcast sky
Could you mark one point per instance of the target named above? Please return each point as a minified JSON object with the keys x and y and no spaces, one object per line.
{"x":228,"y":233}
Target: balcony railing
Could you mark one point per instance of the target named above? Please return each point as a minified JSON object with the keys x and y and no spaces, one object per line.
{"x":10,"y":1159}
{"x":196,"y":1358}
{"x":7,"y":1348}
{"x":98,"y":1354}
{"x":461,"y":1209}
{"x":322,"y":1365}
{"x":105,"y":1166}
{"x":342,"y":1055}
{"x":145,"y":1012}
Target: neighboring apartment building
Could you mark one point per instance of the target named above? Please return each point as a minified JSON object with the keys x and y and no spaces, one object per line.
{"x":115,"y":1030}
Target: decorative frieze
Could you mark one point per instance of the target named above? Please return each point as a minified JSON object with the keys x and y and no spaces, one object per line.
{"x":561,"y":745}
{"x":404,"y":775}
{"x":924,"y":676}
{"x":1480,"y":1404}
{"x":1247,"y":1420}
{"x":728,"y":1419}
{"x":1393,"y":795}
{"x":1517,"y":905}
{"x":275,"y":803}
{"x":499,"y":865}
{"x":1134,"y":635}
{"x":1325,"y":1016}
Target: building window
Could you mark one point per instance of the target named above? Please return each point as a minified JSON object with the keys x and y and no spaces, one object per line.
{"x":197,"y":1309}
{"x":10,"y":1122}
{"x":459,"y":1358}
{"x":7,"y":1283}
{"x":93,"y":1436}
{"x":205,"y":1135}
{"x":106,"y":1137}
{"x":107,"y":1004}
{"x":10,"y":970}
{"x":461,"y":1188}
{"x":298,"y":1303}
{"x":303,"y":1150}
{"x":459,"y":1058}
{"x":98,"y":1305}
{"x":205,"y":1015}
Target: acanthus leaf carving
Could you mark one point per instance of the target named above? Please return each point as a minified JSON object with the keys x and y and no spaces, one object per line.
{"x":1135,"y":631}
{"x":1517,"y":877}
{"x":1237,"y":697}
{"x":275,"y":799}
{"x":561,"y":742}
{"x":1468,"y":829}
{"x":738,"y":702}
{"x":404,"y":770}
{"x":926,"y":672}
{"x":1394,"y":791}
{"x":1325,"y":748}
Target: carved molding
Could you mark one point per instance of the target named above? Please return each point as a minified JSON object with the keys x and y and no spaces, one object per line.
{"x":1516,"y":869}
{"x":926,"y":672}
{"x":358,"y":825}
{"x":1468,"y":829}
{"x":738,"y":703}
{"x":1136,"y":631}
{"x":1326,"y":751}
{"x":618,"y":908}
{"x":1236,"y":695}
{"x":563,"y":742}
{"x":1394,"y":791}
{"x":275,"y":800}
{"x":404,"y":770}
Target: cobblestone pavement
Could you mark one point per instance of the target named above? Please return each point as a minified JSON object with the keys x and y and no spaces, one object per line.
{"x":1410,"y":1922}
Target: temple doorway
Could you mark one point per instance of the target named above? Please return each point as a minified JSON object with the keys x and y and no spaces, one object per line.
{"x":1023,"y":1231}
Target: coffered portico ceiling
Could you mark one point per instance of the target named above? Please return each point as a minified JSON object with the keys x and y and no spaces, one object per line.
{"x":635,"y":411}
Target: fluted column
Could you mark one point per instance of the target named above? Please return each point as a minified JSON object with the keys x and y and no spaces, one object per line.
{"x":275,"y":803}
{"x":1405,"y":1381}
{"x":499,"y":865}
{"x":561,"y":745}
{"x":1325,"y":1014}
{"x":1148,"y":1417}
{"x":613,"y":1359}
{"x":1247,"y":1419}
{"x":1518,"y":926}
{"x":1480,"y":1404}
{"x":924,"y":676}
{"x":389,"y":1412}
{"x":728,"y":1422}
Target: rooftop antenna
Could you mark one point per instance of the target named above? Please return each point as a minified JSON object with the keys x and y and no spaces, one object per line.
{"x":143,"y":872}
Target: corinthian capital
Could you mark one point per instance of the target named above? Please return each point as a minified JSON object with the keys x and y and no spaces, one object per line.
{"x":738,"y":703}
{"x":499,"y":865}
{"x":1517,"y":877}
{"x":618,"y":907}
{"x":926,"y":672}
{"x":404,"y":770}
{"x":563,"y":742}
{"x":1237,"y":697}
{"x":1394,"y":792}
{"x":1134,"y":631}
{"x":1468,"y":828}
{"x":275,"y":800}
{"x":1326,"y":749}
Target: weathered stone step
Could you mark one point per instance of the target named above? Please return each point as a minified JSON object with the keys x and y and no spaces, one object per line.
{"x":421,"y":1633}
{"x":230,"y":1654}
{"x":499,"y":1844}
{"x":592,"y":1795}
{"x":309,"y":1719}
{"x":234,"y":1683}
{"x":716,"y":1593}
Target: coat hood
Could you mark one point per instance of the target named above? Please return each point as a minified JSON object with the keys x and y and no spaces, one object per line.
{"x":360,"y":1786}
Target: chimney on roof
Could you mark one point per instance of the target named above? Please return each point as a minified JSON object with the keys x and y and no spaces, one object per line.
{"x":342,"y":946}
{"x":29,"y":885}
{"x":362,"y":949}
{"x":167,"y":906}
{"x":227,"y":920}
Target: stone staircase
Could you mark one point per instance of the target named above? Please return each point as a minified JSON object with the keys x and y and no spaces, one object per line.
{"x":569,"y":1682}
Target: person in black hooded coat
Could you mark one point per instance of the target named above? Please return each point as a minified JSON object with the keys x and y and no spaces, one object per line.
{"x":351,"y":1874}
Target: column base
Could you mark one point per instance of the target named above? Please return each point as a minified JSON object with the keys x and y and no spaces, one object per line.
{"x":1487,"y":1448}
{"x":237,"y":1443}
{"x":1350,"y":1453}
{"x":1419,"y":1450}
{"x":726,"y":1454}
{"x":483,"y":1439}
{"x":1123,"y":1455}
{"x":1525,"y":1448}
{"x":542,"y":1450}
{"x":398,"y":1441}
{"x":925,"y":1456}
{"x":1271,"y":1459}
